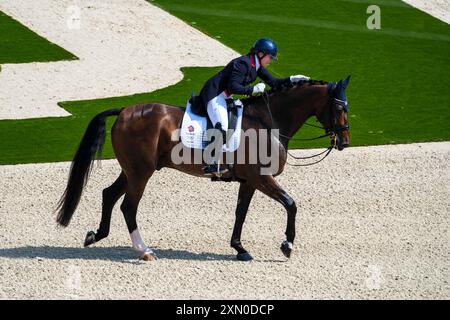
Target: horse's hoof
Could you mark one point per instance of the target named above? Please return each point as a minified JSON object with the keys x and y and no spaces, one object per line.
{"x":245,"y":256}
{"x":286,"y":248}
{"x":149,"y":256}
{"x":90,"y":238}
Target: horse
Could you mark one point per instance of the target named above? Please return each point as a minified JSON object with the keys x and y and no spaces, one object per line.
{"x":143,"y":138}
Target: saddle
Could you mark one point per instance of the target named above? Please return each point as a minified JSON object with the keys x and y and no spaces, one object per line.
{"x":196,"y":123}
{"x":232,"y":110}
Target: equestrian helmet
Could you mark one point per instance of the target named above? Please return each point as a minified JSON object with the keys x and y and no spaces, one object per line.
{"x":267,"y":46}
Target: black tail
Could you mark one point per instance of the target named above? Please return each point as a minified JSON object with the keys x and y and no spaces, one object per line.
{"x":91,"y":144}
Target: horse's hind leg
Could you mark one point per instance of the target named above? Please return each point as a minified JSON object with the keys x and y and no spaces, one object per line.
{"x":135,"y":189}
{"x":110,"y":196}
{"x":245,"y":196}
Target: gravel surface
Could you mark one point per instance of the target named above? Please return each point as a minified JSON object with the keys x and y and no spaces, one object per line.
{"x":373,"y":222}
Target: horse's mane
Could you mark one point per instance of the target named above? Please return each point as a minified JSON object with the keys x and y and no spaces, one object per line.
{"x":260,"y":114}
{"x":301,"y":83}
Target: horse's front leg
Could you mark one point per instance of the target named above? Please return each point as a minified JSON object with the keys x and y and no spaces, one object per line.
{"x":270,"y":187}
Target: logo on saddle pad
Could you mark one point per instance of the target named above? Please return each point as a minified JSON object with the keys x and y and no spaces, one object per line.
{"x":191,"y":128}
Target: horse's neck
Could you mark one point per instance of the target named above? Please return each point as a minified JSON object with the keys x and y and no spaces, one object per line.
{"x":290,"y":112}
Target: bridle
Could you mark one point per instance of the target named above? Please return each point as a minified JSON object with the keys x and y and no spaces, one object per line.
{"x":339,"y":128}
{"x":332,"y":131}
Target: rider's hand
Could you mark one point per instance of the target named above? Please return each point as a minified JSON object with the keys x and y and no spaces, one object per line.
{"x":259,"y":88}
{"x":298,"y":77}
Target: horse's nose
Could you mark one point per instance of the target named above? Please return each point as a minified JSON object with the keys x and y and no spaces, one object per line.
{"x":343,"y":141}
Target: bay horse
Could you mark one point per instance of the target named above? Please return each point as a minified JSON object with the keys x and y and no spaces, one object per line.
{"x":142,"y":139}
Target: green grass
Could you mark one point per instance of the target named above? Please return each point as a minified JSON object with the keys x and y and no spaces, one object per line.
{"x":398,"y":93}
{"x":400,"y":74}
{"x":18,"y":44}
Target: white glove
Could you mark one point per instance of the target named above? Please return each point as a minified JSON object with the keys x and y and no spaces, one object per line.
{"x":298,"y":77}
{"x":259,"y":88}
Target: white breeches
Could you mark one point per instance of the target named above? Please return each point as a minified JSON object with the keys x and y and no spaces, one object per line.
{"x":217,"y":111}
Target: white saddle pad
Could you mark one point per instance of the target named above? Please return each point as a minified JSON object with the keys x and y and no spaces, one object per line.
{"x":193,"y":130}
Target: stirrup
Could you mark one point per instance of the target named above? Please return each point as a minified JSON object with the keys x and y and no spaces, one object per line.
{"x":214,"y":170}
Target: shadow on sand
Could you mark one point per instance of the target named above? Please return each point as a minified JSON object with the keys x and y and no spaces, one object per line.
{"x":119,"y":254}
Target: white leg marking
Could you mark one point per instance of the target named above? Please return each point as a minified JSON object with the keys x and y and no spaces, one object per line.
{"x":138,"y":243}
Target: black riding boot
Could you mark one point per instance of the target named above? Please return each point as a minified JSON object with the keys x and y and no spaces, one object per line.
{"x":215,"y":168}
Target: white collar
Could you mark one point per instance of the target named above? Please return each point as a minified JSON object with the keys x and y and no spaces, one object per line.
{"x":257,"y":62}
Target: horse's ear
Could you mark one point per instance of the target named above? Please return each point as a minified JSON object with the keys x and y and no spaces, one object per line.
{"x":339,"y":85}
{"x":346,"y":81}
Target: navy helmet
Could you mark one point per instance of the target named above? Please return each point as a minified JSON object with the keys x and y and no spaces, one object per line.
{"x":267,"y":46}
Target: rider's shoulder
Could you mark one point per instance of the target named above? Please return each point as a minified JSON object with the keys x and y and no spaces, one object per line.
{"x":242,"y":61}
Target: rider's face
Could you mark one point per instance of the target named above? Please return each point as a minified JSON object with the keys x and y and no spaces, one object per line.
{"x":266,"y":60}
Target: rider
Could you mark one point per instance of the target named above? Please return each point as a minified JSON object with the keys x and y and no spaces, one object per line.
{"x":235,"y":79}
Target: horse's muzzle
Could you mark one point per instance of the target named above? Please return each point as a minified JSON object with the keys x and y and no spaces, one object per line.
{"x":343,"y":146}
{"x":343,"y":141}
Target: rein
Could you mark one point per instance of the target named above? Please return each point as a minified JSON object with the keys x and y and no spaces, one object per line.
{"x":328,"y":150}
